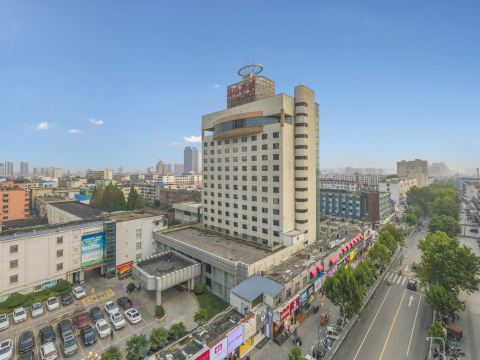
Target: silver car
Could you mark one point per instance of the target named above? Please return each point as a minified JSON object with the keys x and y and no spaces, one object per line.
{"x":69,"y":344}
{"x":37,"y":309}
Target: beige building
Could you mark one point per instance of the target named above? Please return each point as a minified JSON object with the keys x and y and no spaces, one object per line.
{"x":102,"y":174}
{"x":261,"y":167}
{"x":397,"y":188}
{"x":415,"y":168}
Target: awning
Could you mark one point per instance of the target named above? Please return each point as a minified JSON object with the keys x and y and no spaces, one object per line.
{"x":319,"y":268}
{"x":334,"y":260}
{"x":352,"y":243}
{"x":313,"y":272}
{"x":342,"y":251}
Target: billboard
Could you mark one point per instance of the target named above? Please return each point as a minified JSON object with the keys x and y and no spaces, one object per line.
{"x":235,"y":338}
{"x":219,"y":351}
{"x":92,"y":248}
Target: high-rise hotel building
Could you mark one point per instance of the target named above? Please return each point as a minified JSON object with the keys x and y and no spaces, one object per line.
{"x":261,"y":164}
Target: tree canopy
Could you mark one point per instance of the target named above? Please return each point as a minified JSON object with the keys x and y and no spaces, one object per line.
{"x":378,"y":254}
{"x":135,"y":345}
{"x":108,"y":198}
{"x":436,"y":199}
{"x":134,"y":200}
{"x":112,"y":353}
{"x":443,"y":301}
{"x":447,"y":224}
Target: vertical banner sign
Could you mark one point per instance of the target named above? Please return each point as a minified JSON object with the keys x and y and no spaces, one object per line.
{"x":235,"y":338}
{"x":92,"y":248}
{"x":219,"y":351}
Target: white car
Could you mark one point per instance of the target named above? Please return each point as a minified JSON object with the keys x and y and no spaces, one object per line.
{"x":133,"y":316}
{"x":48,"y":351}
{"x":4,"y":322}
{"x":111,"y":307}
{"x":103,"y":329}
{"x":19,"y":315}
{"x":36,"y":309}
{"x":79,"y":292}
{"x":6,"y":349}
{"x":52,"y":304}
{"x":118,"y":321}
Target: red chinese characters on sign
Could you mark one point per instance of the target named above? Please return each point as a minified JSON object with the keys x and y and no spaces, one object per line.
{"x":204,"y":356}
{"x":285,"y":313}
{"x":294,"y":305}
{"x":242,"y":90}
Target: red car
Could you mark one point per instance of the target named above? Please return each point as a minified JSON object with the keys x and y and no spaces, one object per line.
{"x":81,"y":320}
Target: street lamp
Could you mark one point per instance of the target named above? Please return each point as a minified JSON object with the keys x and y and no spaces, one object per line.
{"x":437,"y":338}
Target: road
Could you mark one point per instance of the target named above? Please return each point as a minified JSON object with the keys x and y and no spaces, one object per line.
{"x":394,"y":323}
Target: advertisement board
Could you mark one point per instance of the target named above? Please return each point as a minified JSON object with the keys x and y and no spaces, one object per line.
{"x":92,"y":248}
{"x":242,"y":90}
{"x":295,"y":304}
{"x":219,"y":351}
{"x":303,"y":297}
{"x":204,"y":356}
{"x":250,"y":327}
{"x":124,"y":269}
{"x":234,"y":338}
{"x":318,"y":284}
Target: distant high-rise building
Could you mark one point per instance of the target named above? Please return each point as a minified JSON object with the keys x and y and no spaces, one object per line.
{"x":178,"y":169}
{"x":415,"y":168}
{"x":35,"y":171}
{"x":24,"y":168}
{"x":161,"y":168}
{"x":42,"y":171}
{"x":2,"y":169}
{"x":190,"y":160}
{"x":438,"y":170}
{"x":8,"y":171}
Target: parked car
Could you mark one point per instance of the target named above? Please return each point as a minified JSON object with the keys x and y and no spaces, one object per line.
{"x":36,"y":309}
{"x":125,"y":303}
{"x":111,"y":307}
{"x":64,"y":327}
{"x":103,"y":329}
{"x":81,"y":320}
{"x":117,"y":320}
{"x":414,"y":265}
{"x":48,"y":351}
{"x":4,"y":322}
{"x":6,"y":349}
{"x":26,"y":342}
{"x":28,"y":356}
{"x":474,"y":230}
{"x":96,"y":314}
{"x":133,"y":316}
{"x":412,"y":284}
{"x":47,"y":334}
{"x":88,"y":336}
{"x":19,"y":315}
{"x":79,"y":292}
{"x":66,"y":299}
{"x":69,"y":345}
{"x":52,"y":304}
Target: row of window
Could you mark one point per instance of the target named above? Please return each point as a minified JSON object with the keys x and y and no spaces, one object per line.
{"x":275,"y":135}
{"x":253,"y":218}
{"x":14,"y":278}
{"x":243,"y":168}
{"x":244,"y":207}
{"x":14,"y":248}
{"x":264,"y":178}
{"x":275,"y":146}
{"x":243,"y":158}
{"x":276,"y":190}
{"x":244,"y":226}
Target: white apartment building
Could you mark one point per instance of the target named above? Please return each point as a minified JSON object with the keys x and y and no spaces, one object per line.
{"x":260,"y":164}
{"x":102,"y":174}
{"x":369,"y":182}
{"x":332,"y":184}
{"x":397,"y":188}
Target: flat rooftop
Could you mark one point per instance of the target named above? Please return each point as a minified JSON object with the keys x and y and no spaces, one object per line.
{"x":78,"y":209}
{"x":164,"y":264}
{"x":219,"y":245}
{"x":133,"y":215}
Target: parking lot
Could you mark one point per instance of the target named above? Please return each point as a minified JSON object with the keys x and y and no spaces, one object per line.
{"x":99,"y":299}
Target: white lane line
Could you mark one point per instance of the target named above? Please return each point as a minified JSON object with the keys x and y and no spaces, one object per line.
{"x":375,"y":317}
{"x":394,"y":278}
{"x":406,"y":267}
{"x":404,"y":279}
{"x":414,"y":322}
{"x":399,"y":279}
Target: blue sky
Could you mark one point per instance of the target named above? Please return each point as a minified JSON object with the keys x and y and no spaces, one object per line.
{"x":110,"y":83}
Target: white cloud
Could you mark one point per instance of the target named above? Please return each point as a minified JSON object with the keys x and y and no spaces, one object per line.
{"x":75,"y":131}
{"x":96,"y":121}
{"x":193,"y":139}
{"x":217,"y":86}
{"x":43,"y":125}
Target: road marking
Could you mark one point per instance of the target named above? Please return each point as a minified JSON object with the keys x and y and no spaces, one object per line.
{"x":399,"y":279}
{"x":404,"y":279}
{"x":394,"y":278}
{"x":410,"y":299}
{"x":391,"y":327}
{"x":414,"y":322}
{"x":375,"y":317}
{"x":406,"y":268}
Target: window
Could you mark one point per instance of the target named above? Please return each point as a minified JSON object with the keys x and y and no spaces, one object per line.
{"x":208,"y":268}
{"x":254,"y":147}
{"x":276,"y":146}
{"x":139,"y":231}
{"x":265,"y":231}
{"x":264,"y":221}
{"x":264,"y":157}
{"x":13,"y":249}
{"x":264,"y":188}
{"x":276,"y":190}
{"x":264,"y":136}
{"x":59,"y":240}
{"x":59,"y":253}
{"x":244,"y":149}
{"x":13,"y":279}
{"x":276,"y":234}
{"x":254,"y":157}
{"x":264,"y":167}
{"x":59,"y":266}
{"x":244,"y":139}
{"x":138,"y":245}
{"x":254,"y":137}
{"x":265,"y":147}
{"x":276,"y":156}
{"x":276,"y":135}
{"x":276,"y":167}
{"x":276,"y":222}
{"x":13,"y":264}
{"x":276,"y":178}
{"x":254,"y":228}
{"x":276,"y":201}
{"x":254,"y":218}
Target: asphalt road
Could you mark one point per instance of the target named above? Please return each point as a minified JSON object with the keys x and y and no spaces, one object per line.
{"x":394,"y":323}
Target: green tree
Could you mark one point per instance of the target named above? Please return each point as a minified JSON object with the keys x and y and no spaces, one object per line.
{"x":201,"y":316}
{"x":199,"y":288}
{"x":436,"y":330}
{"x":443,"y":301}
{"x":135,"y":200}
{"x":444,"y":223}
{"x":177,"y":330}
{"x":448,"y":206}
{"x":295,"y":353}
{"x":343,"y":290}
{"x":365,"y":273}
{"x":108,"y":198}
{"x":158,"y":338}
{"x":446,"y":263}
{"x":112,"y":353}
{"x":135,"y":345}
{"x":62,"y":285}
{"x":410,"y":218}
{"x":387,"y":239}
{"x":396,"y":232}
{"x":130,"y":287}
{"x":378,"y":254}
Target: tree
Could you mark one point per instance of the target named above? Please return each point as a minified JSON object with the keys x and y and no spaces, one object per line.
{"x":387,"y":239}
{"x":177,"y":330}
{"x":378,"y":254}
{"x":396,"y":232}
{"x":410,"y":218}
{"x":443,"y":301}
{"x":365,"y":273}
{"x":444,"y":223}
{"x":135,"y":345}
{"x":448,"y":206}
{"x":343,"y":290}
{"x":199,"y":288}
{"x":130,"y":287}
{"x":62,"y":285}
{"x":158,"y":338}
{"x":159,"y":311}
{"x":112,"y":353}
{"x":446,"y":263}
{"x":436,"y":330}
{"x":295,"y":353}
{"x":135,"y":200}
{"x":201,"y":316}
{"x":108,"y":198}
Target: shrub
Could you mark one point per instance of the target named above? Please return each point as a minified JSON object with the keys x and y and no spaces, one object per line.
{"x":14,"y":300}
{"x":201,"y":316}
{"x":62,"y":286}
{"x":177,"y":330}
{"x":130,"y":287}
{"x":199,"y":289}
{"x":159,"y":311}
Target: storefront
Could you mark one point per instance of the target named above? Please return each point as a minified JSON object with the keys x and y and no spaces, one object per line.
{"x":249,"y":330}
{"x":284,"y":319}
{"x":219,"y":350}
{"x":234,"y":340}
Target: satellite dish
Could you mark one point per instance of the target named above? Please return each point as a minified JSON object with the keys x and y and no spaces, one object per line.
{"x":250,"y":70}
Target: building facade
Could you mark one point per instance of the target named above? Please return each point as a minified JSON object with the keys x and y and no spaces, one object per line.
{"x":102,"y":174}
{"x":24,"y":168}
{"x":260,"y":164}
{"x":15,"y":202}
{"x":190,"y":160}
{"x":416,"y":168}
{"x":397,"y":188}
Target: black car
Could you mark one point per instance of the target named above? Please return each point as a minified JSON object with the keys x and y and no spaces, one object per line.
{"x":96,"y":314}
{"x":47,"y":334}
{"x":26,"y":342}
{"x":414,"y":265}
{"x":64,"y":327}
{"x":28,"y":356}
{"x":125,"y":303}
{"x":66,"y":299}
{"x":474,"y":230}
{"x":88,"y":336}
{"x":412,"y":284}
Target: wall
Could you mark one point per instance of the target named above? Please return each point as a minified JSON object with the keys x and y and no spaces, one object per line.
{"x":58,"y":216}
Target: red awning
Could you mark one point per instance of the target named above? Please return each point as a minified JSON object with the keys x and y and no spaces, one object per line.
{"x":313,"y":272}
{"x":319,"y":268}
{"x":361,"y":237}
{"x":334,"y":260}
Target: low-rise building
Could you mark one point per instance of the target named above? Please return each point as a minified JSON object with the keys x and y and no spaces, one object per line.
{"x":102,"y":174}
{"x":15,"y":201}
{"x":188,"y":212}
{"x":397,"y":188}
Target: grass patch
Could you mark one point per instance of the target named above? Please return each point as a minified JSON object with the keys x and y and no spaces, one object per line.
{"x":212,"y":303}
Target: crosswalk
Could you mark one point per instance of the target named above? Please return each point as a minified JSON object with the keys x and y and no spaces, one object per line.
{"x":394,"y":278}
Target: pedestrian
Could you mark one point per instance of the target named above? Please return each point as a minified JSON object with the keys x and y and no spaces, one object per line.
{"x":111,"y":335}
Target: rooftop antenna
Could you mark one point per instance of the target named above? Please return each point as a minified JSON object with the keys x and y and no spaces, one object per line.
{"x":250,"y":70}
